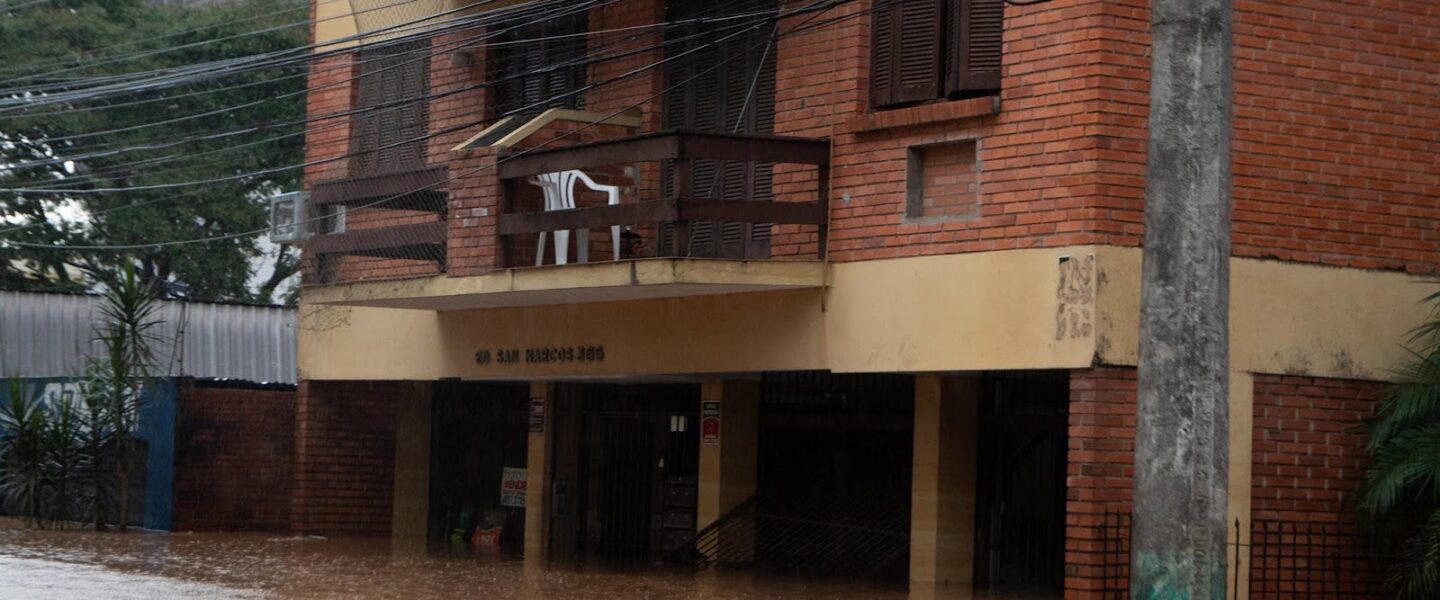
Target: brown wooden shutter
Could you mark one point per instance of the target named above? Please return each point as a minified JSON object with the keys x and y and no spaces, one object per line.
{"x":920,"y":25}
{"x":974,"y":45}
{"x":906,"y":56}
{"x":392,"y":80}
{"x":538,"y":66}
{"x":882,"y":55}
{"x":736,"y":97}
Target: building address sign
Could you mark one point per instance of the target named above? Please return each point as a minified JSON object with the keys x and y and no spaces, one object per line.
{"x":541,"y":355}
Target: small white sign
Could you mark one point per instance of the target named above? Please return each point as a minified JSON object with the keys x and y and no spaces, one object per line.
{"x":512,"y":487}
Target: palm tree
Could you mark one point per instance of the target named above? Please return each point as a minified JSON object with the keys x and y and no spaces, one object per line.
{"x":127,"y":336}
{"x":64,"y":443}
{"x":1400,"y":495}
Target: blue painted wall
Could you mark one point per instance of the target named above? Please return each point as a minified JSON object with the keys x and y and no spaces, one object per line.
{"x":157,"y":428}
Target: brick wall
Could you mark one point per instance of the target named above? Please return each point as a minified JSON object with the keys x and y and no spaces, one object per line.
{"x":1309,"y":458}
{"x":1309,"y":449}
{"x":327,"y":140}
{"x":1336,"y":105}
{"x":1099,"y":473}
{"x":1042,"y":182}
{"x":344,"y":457}
{"x":233,"y":450}
{"x":949,"y":181}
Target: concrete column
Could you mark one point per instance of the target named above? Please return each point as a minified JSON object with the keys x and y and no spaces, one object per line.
{"x":727,"y":468}
{"x":1242,"y":432}
{"x":410,"y":512}
{"x":942,"y":488}
{"x":537,"y":463}
{"x":1178,"y":531}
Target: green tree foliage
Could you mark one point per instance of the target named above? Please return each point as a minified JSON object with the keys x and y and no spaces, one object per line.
{"x":1400,"y":496}
{"x":41,"y":42}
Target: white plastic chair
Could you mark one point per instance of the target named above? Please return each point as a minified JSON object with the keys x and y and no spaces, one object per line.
{"x":559,"y":188}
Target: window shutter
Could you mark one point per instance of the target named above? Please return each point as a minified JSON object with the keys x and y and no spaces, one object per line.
{"x":882,"y":55}
{"x":390,"y":81}
{"x":918,"y":49}
{"x":736,"y":97}
{"x":974,"y":43}
{"x":536,"y":68}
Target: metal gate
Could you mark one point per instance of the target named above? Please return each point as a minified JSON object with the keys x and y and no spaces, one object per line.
{"x":833,"y":488}
{"x":625,"y":460}
{"x":1307,"y":560}
{"x":1021,"y":513}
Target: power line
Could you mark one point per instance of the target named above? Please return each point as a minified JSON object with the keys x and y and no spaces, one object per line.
{"x":585,"y":60}
{"x":300,"y":6}
{"x":58,"y":139}
{"x":394,"y":105}
{"x":24,"y":5}
{"x":172,"y":197}
{"x":820,"y":5}
{"x":241,"y":176}
{"x":129,"y":82}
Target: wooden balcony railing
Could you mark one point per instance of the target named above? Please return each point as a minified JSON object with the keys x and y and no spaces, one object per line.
{"x":678,"y":205}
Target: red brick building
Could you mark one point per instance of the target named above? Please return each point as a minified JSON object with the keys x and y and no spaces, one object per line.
{"x":887,"y":252}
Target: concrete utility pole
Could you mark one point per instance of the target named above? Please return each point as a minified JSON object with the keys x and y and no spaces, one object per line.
{"x":1181,"y":433}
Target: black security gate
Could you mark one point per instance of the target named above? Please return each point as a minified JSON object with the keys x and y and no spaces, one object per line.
{"x":833,"y":488}
{"x":625,"y":461}
{"x":1020,"y":532}
{"x":1313,"y":560}
{"x":1304,"y":560}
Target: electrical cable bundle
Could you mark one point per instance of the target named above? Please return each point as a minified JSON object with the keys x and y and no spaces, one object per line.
{"x":158,"y":162}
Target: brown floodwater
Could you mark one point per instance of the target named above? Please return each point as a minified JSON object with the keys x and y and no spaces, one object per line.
{"x":79,"y":564}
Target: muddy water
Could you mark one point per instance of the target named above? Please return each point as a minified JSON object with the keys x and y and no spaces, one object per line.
{"x":143,"y":565}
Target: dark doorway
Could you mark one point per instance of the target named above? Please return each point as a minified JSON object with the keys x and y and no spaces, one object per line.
{"x":625,"y":462}
{"x":833,"y":488}
{"x":477,"y":431}
{"x":1020,"y":517}
{"x":618,"y":486}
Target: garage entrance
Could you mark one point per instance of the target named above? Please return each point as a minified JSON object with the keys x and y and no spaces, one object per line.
{"x":477,"y":443}
{"x":625,"y":461}
{"x":833,"y":486}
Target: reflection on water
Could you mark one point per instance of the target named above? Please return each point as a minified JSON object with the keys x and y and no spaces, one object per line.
{"x":89,"y":565}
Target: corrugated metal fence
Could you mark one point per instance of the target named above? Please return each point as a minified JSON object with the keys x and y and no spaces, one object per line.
{"x":49,"y":335}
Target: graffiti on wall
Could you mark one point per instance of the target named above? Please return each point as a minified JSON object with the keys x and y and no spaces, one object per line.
{"x":1075,"y":298}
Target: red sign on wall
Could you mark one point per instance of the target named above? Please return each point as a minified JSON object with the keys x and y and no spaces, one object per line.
{"x":710,"y":422}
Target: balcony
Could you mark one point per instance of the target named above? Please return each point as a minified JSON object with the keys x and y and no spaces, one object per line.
{"x":691,"y":165}
{"x":699,"y":214}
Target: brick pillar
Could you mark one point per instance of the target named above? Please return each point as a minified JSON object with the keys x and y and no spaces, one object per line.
{"x":1098,"y":477}
{"x":344,"y":457}
{"x":473,"y":204}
